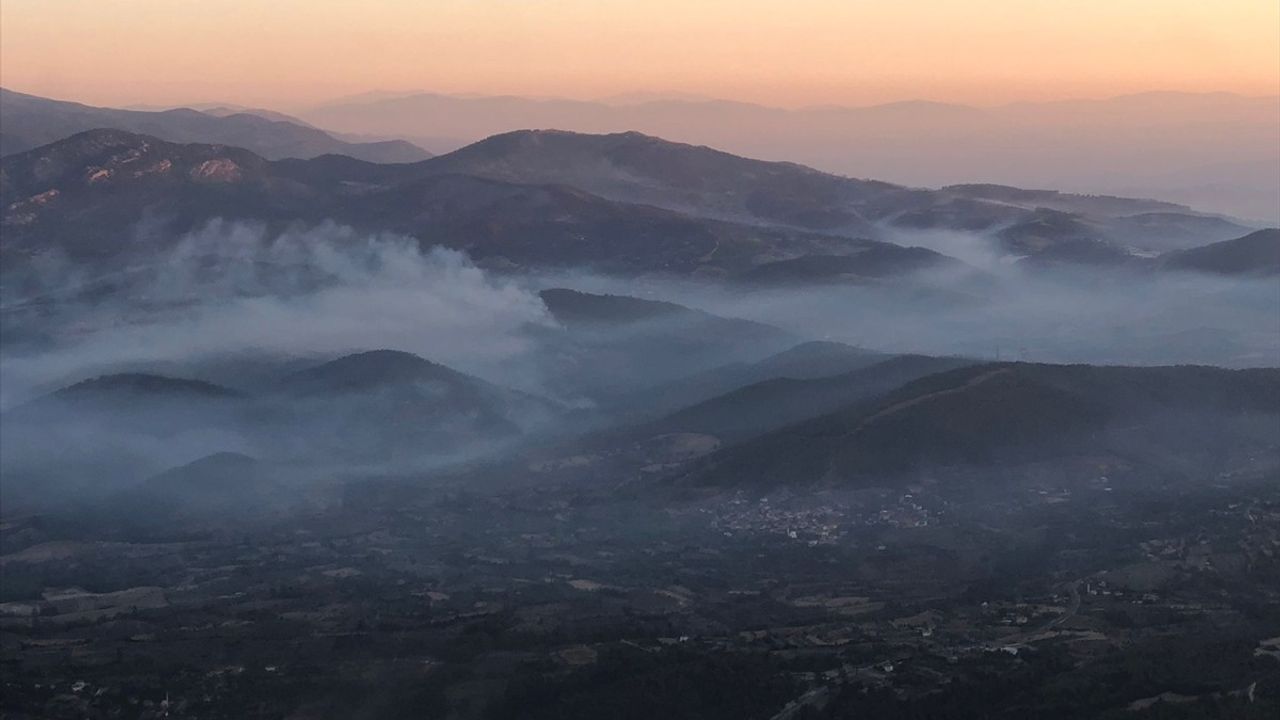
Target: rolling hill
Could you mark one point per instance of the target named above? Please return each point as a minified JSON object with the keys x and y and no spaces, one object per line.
{"x":387,"y":407}
{"x":137,"y":402}
{"x":394,"y":406}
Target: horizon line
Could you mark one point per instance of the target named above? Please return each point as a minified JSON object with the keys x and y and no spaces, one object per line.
{"x":677,"y":98}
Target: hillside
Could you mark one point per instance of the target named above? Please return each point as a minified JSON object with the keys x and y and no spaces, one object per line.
{"x":763,"y":406}
{"x":608,"y":346}
{"x":394,"y":406}
{"x":808,"y":360}
{"x":1257,"y":253}
{"x":994,"y":414}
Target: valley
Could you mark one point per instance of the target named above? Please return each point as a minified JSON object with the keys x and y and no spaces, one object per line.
{"x":596,"y":600}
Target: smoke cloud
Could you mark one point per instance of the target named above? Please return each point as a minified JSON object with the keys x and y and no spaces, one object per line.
{"x":231,"y":289}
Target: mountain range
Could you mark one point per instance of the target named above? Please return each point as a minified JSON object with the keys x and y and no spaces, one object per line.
{"x":626,"y":204}
{"x":29,"y":121}
{"x":1216,"y":151}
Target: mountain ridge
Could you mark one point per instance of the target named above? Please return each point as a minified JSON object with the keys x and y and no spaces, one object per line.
{"x":1109,"y":146}
{"x":30,"y":121}
{"x":666,"y":208}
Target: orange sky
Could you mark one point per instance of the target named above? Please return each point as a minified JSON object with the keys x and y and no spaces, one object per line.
{"x":288,"y":53}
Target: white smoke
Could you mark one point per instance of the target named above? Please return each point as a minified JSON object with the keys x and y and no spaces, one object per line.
{"x":232,"y":289}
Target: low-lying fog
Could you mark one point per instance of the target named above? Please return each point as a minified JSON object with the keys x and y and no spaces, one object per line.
{"x":231,"y":291}
{"x":250,"y":348}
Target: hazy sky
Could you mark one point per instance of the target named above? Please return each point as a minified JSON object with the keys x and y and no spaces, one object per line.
{"x":286,"y":53}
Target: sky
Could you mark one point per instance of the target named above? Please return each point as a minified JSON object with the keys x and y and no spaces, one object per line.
{"x":295,"y":53}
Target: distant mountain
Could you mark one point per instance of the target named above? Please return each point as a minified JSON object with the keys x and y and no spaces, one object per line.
{"x":1257,"y":253}
{"x":637,"y":168}
{"x":622,"y":204}
{"x":222,"y":109}
{"x":87,"y":193}
{"x":632,"y":167}
{"x":30,"y":121}
{"x":995,"y":414}
{"x":1216,"y":151}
